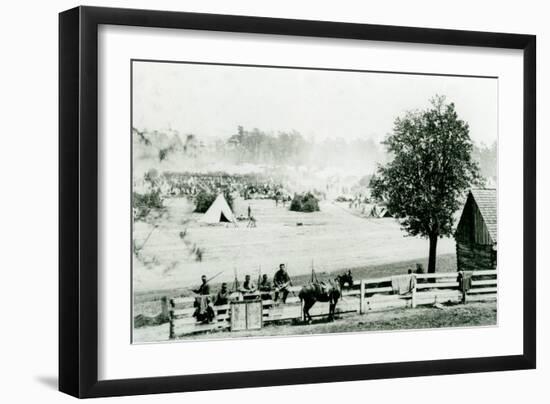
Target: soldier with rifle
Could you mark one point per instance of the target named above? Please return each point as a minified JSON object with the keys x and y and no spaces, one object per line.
{"x":282,"y":282}
{"x":204,"y":311}
{"x":204,"y":288}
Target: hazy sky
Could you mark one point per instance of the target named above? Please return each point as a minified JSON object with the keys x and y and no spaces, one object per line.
{"x":213,"y":100}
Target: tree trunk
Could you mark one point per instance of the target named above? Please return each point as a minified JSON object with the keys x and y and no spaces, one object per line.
{"x":432,"y":257}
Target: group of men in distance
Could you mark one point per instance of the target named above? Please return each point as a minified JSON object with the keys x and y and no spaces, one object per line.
{"x":280,"y":285}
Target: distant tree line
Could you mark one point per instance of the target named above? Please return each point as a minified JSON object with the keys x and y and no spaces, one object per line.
{"x":255,"y":146}
{"x":292,"y":148}
{"x":284,"y":148}
{"x":259,"y":147}
{"x":486,"y":159}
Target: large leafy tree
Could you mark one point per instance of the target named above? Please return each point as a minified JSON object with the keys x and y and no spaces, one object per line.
{"x":430,"y":171}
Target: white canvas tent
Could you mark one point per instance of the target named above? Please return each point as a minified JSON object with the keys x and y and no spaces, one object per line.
{"x":219,"y":212}
{"x":383,"y":212}
{"x":379,"y":212}
{"x":373,"y":211}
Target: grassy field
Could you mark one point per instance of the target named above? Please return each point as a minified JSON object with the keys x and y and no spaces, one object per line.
{"x":469,"y":315}
{"x":331,"y":240}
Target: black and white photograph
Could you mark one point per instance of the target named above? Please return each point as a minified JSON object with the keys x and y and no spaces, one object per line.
{"x":285,"y":202}
{"x":275,"y":201}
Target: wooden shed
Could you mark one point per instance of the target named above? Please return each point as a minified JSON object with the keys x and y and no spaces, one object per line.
{"x":476,"y":233}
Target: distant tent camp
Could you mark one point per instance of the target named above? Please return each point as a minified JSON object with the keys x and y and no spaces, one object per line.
{"x":219,"y":212}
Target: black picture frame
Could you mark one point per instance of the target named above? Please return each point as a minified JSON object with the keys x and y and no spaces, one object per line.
{"x":78,"y":200}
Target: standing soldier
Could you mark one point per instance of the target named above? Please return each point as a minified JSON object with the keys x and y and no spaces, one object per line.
{"x":203,"y":308}
{"x":281,"y":281}
{"x":420,"y":271}
{"x":204,"y":288}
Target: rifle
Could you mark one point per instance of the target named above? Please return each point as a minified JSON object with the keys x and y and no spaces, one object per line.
{"x":215,"y":276}
{"x":236,"y":281}
{"x":208,"y":280}
{"x":290,"y":281}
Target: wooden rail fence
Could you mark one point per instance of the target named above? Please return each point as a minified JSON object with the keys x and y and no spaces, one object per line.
{"x":364,"y":296}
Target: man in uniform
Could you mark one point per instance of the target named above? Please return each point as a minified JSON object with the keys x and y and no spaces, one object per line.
{"x":204,"y":288}
{"x":222,"y":298}
{"x":248,"y":288}
{"x":265,"y":287}
{"x":204,"y":311}
{"x":248,"y":285}
{"x":281,"y":281}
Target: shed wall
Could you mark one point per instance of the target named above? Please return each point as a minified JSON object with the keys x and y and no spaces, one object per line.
{"x":471,"y":256}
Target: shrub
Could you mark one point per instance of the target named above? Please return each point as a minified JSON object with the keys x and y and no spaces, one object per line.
{"x":304,"y":203}
{"x":151,"y":175}
{"x":143,"y":203}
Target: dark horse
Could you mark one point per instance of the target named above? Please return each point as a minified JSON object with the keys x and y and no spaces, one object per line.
{"x":330,"y":291}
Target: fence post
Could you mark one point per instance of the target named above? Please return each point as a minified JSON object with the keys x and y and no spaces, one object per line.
{"x":413,"y":293}
{"x":362,"y":298}
{"x":171,"y":316}
{"x":461,"y":286}
{"x":164,"y":312}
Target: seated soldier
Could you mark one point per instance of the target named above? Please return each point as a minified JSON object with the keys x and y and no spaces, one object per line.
{"x":222,"y":298}
{"x":248,"y":288}
{"x":265,"y":288}
{"x":281,"y":281}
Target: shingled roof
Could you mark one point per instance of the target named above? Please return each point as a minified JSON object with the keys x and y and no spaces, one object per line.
{"x":486,"y":201}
